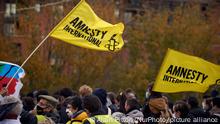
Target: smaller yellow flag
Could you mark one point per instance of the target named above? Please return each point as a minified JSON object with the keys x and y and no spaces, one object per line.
{"x":181,"y":72}
{"x":82,"y":27}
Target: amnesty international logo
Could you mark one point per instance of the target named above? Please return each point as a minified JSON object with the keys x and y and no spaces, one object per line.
{"x":112,"y":44}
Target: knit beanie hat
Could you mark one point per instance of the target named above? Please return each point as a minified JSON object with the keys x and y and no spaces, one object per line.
{"x":101,"y":94}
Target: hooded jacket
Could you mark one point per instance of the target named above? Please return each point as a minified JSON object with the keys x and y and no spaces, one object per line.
{"x":78,"y":117}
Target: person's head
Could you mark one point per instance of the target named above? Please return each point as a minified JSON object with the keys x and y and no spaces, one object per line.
{"x":121,"y":98}
{"x":46,"y":104}
{"x":85,"y":90}
{"x":66,"y":92}
{"x":112,"y":97}
{"x":180,"y":109}
{"x":216,"y":102}
{"x":17,"y":109}
{"x":40,"y":92}
{"x":149,"y":91}
{"x":101,"y":94}
{"x":10,"y":105}
{"x":206,"y":103}
{"x":130,"y":94}
{"x":131,"y":104}
{"x":28,"y":103}
{"x":156,"y":105}
{"x":192,"y":102}
{"x":92,"y":104}
{"x":74,"y":104}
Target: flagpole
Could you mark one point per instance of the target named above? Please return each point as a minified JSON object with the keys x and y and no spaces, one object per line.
{"x":28,"y":58}
{"x":41,"y":44}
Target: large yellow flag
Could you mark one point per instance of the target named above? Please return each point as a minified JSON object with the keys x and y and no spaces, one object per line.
{"x":82,"y":27}
{"x":181,"y":72}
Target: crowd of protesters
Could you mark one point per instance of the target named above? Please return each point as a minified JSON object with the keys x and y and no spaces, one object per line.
{"x":97,"y":106}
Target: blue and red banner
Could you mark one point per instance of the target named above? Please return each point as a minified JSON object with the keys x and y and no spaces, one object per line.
{"x":7,"y":73}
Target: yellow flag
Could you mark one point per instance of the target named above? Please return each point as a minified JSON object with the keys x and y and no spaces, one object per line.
{"x":82,"y":27}
{"x":181,"y":72}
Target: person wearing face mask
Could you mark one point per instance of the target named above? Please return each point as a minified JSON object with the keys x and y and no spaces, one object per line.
{"x":75,"y":111}
{"x":180,"y":109}
{"x":93,"y":107}
{"x":45,"y":110}
{"x":180,"y":112}
{"x":206,"y":103}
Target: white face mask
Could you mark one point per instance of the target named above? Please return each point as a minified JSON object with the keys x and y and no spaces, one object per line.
{"x":174,"y":115}
{"x":204,"y":106}
{"x":147,"y":94}
{"x":69,"y":113}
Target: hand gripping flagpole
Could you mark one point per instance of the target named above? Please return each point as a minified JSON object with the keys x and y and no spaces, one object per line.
{"x":28,"y":59}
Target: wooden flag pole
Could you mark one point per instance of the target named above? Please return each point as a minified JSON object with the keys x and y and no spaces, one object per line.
{"x":28,"y":58}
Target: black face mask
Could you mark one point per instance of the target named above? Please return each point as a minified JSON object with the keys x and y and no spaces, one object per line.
{"x":40,"y":110}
